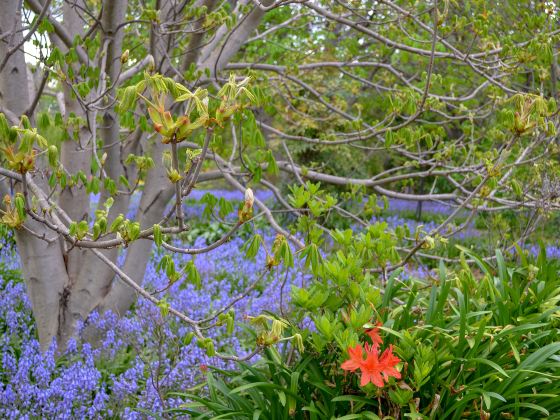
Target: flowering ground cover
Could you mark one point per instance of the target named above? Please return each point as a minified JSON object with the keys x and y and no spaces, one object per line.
{"x":122,"y":372}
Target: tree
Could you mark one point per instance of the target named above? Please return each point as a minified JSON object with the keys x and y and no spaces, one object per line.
{"x":126,"y":97}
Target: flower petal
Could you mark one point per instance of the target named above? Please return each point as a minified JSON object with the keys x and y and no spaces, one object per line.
{"x":350,"y":365}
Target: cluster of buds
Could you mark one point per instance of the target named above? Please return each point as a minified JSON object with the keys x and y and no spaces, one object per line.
{"x":208,"y":346}
{"x":172,"y":174}
{"x":522,"y":124}
{"x":230,"y":99}
{"x":531,"y":112}
{"x":125,"y":229}
{"x":551,"y":9}
{"x":20,"y":162}
{"x":124,"y":56}
{"x":14,"y":216}
{"x":278,"y":252}
{"x":274,"y":333}
{"x":177,"y":130}
{"x":227,"y":319}
{"x":129,"y":231}
{"x":245,"y":213}
{"x":22,"y":159}
{"x":428,"y":242}
{"x":271,"y":262}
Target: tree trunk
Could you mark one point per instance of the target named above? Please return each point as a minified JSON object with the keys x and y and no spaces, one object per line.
{"x":43,"y":266}
{"x":13,"y":79}
{"x":154,"y":200}
{"x":217,"y":54}
{"x":93,"y":280}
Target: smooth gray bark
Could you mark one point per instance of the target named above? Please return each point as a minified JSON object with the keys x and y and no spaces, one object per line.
{"x":152,"y":205}
{"x":13,"y":79}
{"x":155,"y":196}
{"x":92,"y":282}
{"x":217,"y":54}
{"x":43,"y":266}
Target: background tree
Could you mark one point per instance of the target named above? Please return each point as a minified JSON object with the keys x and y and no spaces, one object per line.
{"x":135,"y":97}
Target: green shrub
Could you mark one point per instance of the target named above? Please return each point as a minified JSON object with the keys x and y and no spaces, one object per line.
{"x":480,"y":341}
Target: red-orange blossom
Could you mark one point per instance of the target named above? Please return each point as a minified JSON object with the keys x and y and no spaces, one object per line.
{"x":374,"y":369}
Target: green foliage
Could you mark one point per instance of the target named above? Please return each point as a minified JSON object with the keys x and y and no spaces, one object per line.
{"x":481,"y":340}
{"x":271,"y":389}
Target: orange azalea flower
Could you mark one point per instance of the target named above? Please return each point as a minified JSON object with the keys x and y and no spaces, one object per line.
{"x":374,"y":369}
{"x":389,"y":361}
{"x":374,"y":335}
{"x":356,"y":359}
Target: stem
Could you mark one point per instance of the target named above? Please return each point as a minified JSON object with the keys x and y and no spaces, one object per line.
{"x":178,"y":198}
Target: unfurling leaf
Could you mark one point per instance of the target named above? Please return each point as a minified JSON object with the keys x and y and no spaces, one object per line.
{"x":158,"y":238}
{"x":20,"y":206}
{"x":117,"y":223}
{"x":53,"y":156}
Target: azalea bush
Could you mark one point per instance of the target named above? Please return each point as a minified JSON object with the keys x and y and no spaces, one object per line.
{"x":441,"y":327}
{"x":479,"y":339}
{"x":476,"y":341}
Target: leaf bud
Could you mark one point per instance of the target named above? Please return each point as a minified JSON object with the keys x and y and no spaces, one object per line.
{"x":124,"y":56}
